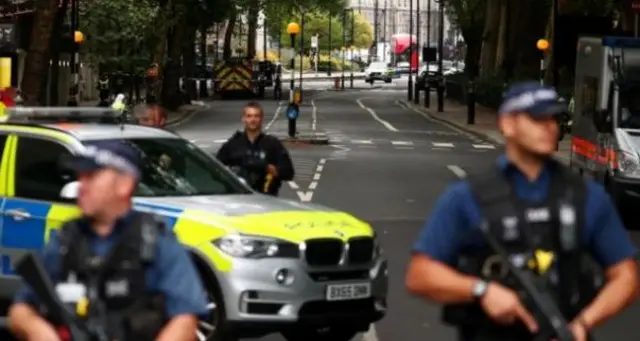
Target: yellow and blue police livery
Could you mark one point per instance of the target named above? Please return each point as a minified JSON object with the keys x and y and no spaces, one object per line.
{"x":268,"y":264}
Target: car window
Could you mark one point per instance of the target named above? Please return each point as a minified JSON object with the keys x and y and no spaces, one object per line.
{"x":176,"y":167}
{"x":37,"y":175}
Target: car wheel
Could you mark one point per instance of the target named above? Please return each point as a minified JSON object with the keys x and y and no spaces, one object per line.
{"x":387,"y":80}
{"x":212,"y":327}
{"x":332,"y":333}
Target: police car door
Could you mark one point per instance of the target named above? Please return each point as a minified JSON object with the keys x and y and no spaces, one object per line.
{"x":33,"y":206}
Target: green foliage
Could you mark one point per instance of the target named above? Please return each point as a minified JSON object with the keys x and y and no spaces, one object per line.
{"x":318,"y":23}
{"x":120,"y":33}
{"x":466,"y":14}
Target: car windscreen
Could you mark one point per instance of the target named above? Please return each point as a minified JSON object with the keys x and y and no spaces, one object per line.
{"x":176,"y":167}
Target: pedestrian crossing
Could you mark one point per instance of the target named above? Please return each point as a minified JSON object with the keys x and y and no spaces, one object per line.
{"x":402,"y":143}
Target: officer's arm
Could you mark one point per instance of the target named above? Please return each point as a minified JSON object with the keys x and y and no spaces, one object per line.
{"x":182,"y":288}
{"x":224,"y":153}
{"x":24,"y":319}
{"x":284,"y":165}
{"x":437,"y":245}
{"x":615,"y":251}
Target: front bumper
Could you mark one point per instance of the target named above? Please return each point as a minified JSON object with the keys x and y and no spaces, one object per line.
{"x":626,"y":190}
{"x":254,"y":299}
{"x":378,"y":76}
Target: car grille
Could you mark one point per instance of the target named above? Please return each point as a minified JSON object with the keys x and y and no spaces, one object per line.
{"x":360,"y":250}
{"x":323,"y":252}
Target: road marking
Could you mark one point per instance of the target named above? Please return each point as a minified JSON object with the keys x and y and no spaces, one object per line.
{"x":362,"y":141}
{"x":484,"y":146}
{"x":275,"y":116}
{"x":375,"y":116}
{"x":459,"y":172}
{"x":371,"y":334}
{"x":203,"y":146}
{"x":219,"y":141}
{"x":442,"y":145}
{"x":402,"y":143}
{"x":307,"y":195}
{"x":314,"y":117}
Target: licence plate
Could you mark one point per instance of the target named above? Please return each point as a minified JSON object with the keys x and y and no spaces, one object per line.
{"x":343,"y":292}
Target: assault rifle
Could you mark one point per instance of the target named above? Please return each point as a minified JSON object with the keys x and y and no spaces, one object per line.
{"x":552,"y":323}
{"x":32,"y":271}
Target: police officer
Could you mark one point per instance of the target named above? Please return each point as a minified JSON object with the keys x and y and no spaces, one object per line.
{"x":525,"y":201}
{"x":164,"y":291}
{"x":103,"y":90}
{"x":255,"y":156}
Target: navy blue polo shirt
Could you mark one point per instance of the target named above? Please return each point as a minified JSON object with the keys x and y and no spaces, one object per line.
{"x":456,"y":213}
{"x":172,"y":273}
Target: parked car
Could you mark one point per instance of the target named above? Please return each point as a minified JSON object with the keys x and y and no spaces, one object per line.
{"x":379,"y":71}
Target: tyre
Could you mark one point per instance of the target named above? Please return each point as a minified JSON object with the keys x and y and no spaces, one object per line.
{"x":387,"y":80}
{"x":212,"y":327}
{"x":332,"y":333}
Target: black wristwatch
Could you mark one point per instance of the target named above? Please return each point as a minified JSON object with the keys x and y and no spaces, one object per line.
{"x":479,"y":289}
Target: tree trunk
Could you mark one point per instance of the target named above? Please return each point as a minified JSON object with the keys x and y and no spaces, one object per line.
{"x":228,"y":34}
{"x":502,"y":36}
{"x":526,"y":24}
{"x":490,"y":37}
{"x":473,"y":39}
{"x":252,"y":29}
{"x":189,"y":62}
{"x":39,"y":50}
{"x":171,"y":97}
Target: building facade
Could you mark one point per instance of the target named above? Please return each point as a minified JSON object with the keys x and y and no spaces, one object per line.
{"x":394,"y":15}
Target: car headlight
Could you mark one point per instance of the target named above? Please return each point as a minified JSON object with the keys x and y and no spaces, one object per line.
{"x":245,"y":246}
{"x":628,"y":164}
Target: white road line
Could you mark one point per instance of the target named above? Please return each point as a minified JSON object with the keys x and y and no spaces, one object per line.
{"x":442,"y":145}
{"x":275,"y":116}
{"x":294,"y":186}
{"x":402,"y":143}
{"x":459,"y":172}
{"x":219,"y":141}
{"x":314,"y":115}
{"x":323,"y":161}
{"x":313,"y":185}
{"x":204,"y":145}
{"x":316,"y":176}
{"x":319,"y":169}
{"x":484,"y":146}
{"x":362,"y":141}
{"x":375,"y":116}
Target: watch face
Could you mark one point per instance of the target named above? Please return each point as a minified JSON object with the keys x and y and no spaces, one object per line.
{"x":480,"y":288}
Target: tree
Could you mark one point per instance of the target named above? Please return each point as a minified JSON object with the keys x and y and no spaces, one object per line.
{"x":317,"y":22}
{"x":468,"y":17}
{"x":120,"y":34}
{"x":39,"y":50}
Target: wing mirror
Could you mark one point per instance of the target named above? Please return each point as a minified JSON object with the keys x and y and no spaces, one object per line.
{"x":70,"y":190}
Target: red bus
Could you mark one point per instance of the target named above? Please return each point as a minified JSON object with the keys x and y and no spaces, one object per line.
{"x":405,"y":50}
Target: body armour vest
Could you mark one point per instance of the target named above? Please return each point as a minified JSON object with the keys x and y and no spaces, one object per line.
{"x":119,"y":303}
{"x":551,"y":228}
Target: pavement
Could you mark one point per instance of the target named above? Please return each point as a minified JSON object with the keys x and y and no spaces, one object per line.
{"x":386,"y":163}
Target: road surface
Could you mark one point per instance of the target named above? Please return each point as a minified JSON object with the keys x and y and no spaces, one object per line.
{"x":386,"y":164}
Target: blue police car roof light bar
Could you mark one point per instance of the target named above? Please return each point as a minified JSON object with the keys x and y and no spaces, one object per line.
{"x":620,"y":42}
{"x":61,"y":114}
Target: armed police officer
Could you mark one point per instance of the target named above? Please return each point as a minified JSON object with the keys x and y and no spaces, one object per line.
{"x":531,"y":206}
{"x":127,"y":263}
{"x":259,"y":158}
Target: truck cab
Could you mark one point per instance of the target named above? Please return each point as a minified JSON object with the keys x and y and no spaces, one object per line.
{"x":606,"y":132}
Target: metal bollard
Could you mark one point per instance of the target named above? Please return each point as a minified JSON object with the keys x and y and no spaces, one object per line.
{"x":440,"y":93}
{"x":351,"y":81}
{"x":342,"y":85}
{"x":427,"y":95}
{"x":416,"y":95}
{"x":471,"y":104}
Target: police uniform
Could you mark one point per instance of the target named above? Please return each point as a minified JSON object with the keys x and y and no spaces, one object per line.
{"x":250,"y":159}
{"x":139,"y":274}
{"x":528,"y":219}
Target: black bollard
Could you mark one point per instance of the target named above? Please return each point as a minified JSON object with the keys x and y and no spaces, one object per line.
{"x":471,"y":104}
{"x":351,"y":81}
{"x":292,"y":128}
{"x":342,"y":85}
{"x":427,"y":95}
{"x":416,"y":95}
{"x":204,"y":93}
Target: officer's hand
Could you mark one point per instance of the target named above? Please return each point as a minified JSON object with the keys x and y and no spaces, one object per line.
{"x":579,"y":331}
{"x":271,"y":169}
{"x":504,"y":306}
{"x":41,"y":330}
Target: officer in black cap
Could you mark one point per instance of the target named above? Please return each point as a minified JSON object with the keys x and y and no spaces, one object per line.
{"x":147,"y":281}
{"x":540,"y":213}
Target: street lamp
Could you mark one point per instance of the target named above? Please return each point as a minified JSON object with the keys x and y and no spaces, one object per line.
{"x":416,"y":96}
{"x":410,"y":83}
{"x":330,"y":47}
{"x":301,"y":55}
{"x":440,"y":57}
{"x":78,"y":38}
{"x":353,"y":48}
{"x":543,"y":46}
{"x":292,"y":110}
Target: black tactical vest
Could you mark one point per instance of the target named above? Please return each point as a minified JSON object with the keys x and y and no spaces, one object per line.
{"x":116,"y":283}
{"x":553,"y":226}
